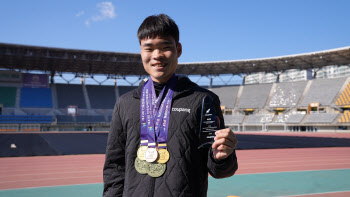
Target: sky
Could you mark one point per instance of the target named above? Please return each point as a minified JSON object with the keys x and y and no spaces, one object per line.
{"x":209,"y":30}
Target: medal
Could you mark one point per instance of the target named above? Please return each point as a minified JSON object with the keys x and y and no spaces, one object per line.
{"x":154,"y":121}
{"x":156,"y":169}
{"x":141,"y":152}
{"x":141,"y":166}
{"x":163,"y":155}
{"x":151,"y":155}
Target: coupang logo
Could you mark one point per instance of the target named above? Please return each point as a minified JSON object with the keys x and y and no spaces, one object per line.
{"x":181,"y":110}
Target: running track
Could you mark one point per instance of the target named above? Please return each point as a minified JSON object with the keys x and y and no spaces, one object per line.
{"x":28,"y":172}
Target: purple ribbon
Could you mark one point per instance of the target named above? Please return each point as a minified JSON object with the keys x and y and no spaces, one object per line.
{"x":144,"y":140}
{"x":155,"y":114}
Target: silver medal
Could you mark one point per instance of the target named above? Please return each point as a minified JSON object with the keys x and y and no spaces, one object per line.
{"x":151,"y":154}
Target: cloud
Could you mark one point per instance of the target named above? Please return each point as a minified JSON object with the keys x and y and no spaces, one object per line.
{"x":105,"y":12}
{"x":80,"y":13}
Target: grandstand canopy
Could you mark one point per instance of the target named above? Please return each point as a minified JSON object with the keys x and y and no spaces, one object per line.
{"x":61,"y":60}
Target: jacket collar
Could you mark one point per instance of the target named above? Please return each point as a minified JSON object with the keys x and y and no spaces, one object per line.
{"x":183,"y":84}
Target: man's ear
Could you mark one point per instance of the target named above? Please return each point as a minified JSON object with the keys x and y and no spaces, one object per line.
{"x":179,"y":49}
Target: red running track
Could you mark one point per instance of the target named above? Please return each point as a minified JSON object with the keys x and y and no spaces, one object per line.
{"x":24,"y":172}
{"x":345,"y":135}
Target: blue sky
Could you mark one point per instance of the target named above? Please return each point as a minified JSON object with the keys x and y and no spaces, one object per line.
{"x":209,"y":30}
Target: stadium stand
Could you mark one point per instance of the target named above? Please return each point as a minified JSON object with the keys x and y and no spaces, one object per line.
{"x":70,"y":95}
{"x":295,"y":118}
{"x":254,"y":96}
{"x":15,"y":119}
{"x":8,"y":111}
{"x":8,"y":96}
{"x":227,"y":95}
{"x":124,"y":89}
{"x":101,"y":97}
{"x":344,"y":98}
{"x":281,"y":118}
{"x":345,"y":118}
{"x":22,"y":105}
{"x":320,"y":118}
{"x":323,"y":91}
{"x":233,"y":119}
{"x":34,"y":102}
{"x":289,"y":118}
{"x":64,"y":119}
{"x":260,"y":118}
{"x":36,"y":97}
{"x":287,"y":94}
{"x":37,"y":111}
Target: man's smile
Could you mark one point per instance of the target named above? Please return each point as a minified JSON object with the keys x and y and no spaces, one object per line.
{"x":159,"y":65}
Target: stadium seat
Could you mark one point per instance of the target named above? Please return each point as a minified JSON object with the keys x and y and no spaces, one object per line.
{"x":75,"y":96}
{"x":36,"y":97}
{"x":322,"y":91}
{"x":344,"y":98}
{"x":227,"y":95}
{"x":254,"y":96}
{"x":8,"y":96}
{"x":101,"y":97}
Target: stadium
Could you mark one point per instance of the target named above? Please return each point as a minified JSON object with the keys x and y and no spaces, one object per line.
{"x":34,"y":102}
{"x":39,"y":117}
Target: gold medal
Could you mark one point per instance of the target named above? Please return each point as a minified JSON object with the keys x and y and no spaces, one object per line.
{"x":163,"y":155}
{"x":141,"y":152}
{"x":156,"y":169}
{"x":141,"y":166}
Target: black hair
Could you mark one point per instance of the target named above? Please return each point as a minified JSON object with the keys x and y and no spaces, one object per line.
{"x":158,"y":25}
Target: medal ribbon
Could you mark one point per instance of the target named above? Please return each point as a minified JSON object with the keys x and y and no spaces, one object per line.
{"x":155,"y":114}
{"x":143,"y":115}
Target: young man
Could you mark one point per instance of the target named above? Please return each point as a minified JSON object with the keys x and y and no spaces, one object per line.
{"x":152,"y":147}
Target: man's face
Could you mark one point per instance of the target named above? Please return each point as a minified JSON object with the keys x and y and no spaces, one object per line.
{"x":159,"y":57}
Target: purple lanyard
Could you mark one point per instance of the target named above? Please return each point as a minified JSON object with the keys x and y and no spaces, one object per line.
{"x":155,"y":114}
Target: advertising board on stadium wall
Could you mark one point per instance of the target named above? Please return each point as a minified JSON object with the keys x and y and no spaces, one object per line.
{"x":35,"y":80}
{"x":10,"y":76}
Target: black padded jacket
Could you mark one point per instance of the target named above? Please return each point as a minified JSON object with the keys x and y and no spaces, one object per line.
{"x":188,"y":167}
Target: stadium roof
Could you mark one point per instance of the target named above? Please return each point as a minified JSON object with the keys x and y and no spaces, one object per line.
{"x":61,"y":60}
{"x":339,"y":56}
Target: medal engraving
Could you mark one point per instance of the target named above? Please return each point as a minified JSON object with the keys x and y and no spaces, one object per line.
{"x":163,"y":155}
{"x":151,"y":155}
{"x":156,"y":169}
{"x":141,"y":166}
{"x":141,"y":152}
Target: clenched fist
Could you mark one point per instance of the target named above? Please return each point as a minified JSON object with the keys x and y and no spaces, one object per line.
{"x":225,"y":142}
